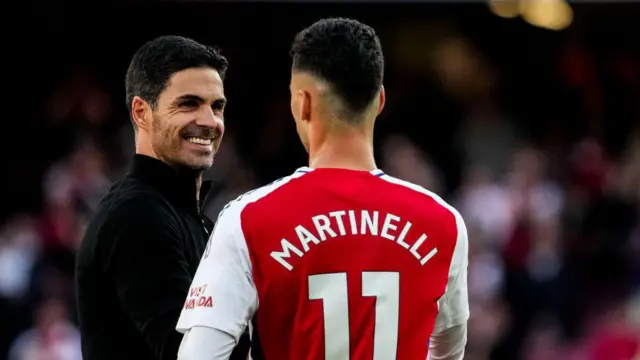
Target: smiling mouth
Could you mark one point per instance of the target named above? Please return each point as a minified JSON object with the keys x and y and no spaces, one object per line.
{"x":199,"y":141}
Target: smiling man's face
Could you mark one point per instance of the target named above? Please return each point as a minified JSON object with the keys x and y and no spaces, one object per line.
{"x":188,"y":122}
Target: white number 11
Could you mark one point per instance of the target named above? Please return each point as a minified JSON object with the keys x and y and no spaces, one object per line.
{"x":332,"y":290}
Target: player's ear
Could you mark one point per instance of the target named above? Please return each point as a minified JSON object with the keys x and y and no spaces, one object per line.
{"x":141,"y":112}
{"x":381,"y":100}
{"x":304,"y":102}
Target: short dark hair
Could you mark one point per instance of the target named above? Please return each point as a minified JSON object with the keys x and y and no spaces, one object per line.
{"x":157,"y":60}
{"x":347,"y":54}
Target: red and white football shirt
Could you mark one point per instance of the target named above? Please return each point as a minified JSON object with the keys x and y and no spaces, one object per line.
{"x":333,"y":264}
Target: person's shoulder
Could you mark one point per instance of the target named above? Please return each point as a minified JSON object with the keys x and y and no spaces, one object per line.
{"x":131,"y":198}
{"x":128,"y":222}
{"x":437,"y":213}
{"x":123,"y":214}
{"x":425,"y":204}
{"x":426,"y":197}
{"x":237,"y":205}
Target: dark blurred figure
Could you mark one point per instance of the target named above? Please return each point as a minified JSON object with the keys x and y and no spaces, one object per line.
{"x":538,"y":282}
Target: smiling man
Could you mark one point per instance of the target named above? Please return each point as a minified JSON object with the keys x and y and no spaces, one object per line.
{"x":143,"y":246}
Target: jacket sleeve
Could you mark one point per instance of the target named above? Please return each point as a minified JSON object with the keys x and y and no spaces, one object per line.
{"x":146,"y":263}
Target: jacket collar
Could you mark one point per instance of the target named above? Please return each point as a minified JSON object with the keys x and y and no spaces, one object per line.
{"x":178,"y":187}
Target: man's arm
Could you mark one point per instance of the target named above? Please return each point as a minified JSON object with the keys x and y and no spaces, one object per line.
{"x":222,"y":299}
{"x":205,"y":343}
{"x":145,"y":260}
{"x":449,"y":336}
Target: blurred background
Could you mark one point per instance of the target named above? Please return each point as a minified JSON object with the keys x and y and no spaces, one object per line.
{"x":526,"y":117}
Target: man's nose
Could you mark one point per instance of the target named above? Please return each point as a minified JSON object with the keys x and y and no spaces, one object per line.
{"x":207,"y":118}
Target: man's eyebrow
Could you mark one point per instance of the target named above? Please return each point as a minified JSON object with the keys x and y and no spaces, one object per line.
{"x":220,"y":102}
{"x":189,"y":97}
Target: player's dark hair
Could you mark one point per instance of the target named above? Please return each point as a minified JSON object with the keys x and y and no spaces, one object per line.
{"x":157,"y":60}
{"x":347,"y":54}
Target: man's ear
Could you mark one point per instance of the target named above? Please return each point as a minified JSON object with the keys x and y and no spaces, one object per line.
{"x":381,"y":100}
{"x":140,"y":112}
{"x":305,"y":105}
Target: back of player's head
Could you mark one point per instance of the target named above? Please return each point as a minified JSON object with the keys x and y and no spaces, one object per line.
{"x":157,"y":60}
{"x":347,"y":55}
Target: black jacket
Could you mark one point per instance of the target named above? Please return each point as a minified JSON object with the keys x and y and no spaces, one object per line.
{"x":136,"y":262}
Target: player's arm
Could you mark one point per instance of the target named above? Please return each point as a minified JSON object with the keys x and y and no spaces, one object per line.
{"x":449,"y":336}
{"x":224,"y":276}
{"x":205,"y":343}
{"x":144,"y":258}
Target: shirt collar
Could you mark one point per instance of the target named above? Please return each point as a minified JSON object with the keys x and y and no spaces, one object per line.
{"x":306,"y":169}
{"x":178,"y":187}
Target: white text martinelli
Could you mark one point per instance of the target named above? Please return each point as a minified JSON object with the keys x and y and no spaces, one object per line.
{"x":352,"y":222}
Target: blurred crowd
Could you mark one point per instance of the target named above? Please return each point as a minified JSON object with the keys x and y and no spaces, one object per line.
{"x":552,"y":214}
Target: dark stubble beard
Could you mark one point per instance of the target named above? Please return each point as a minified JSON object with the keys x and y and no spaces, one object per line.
{"x":167,"y":145}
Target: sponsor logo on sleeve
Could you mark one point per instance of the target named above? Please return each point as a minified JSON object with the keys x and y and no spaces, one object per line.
{"x":198,"y":298}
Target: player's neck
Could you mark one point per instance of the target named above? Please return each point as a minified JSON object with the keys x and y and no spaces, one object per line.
{"x":345,"y":150}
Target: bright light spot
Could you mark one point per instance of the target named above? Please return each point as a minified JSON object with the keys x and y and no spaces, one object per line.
{"x":505,"y":8}
{"x":547,"y":14}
